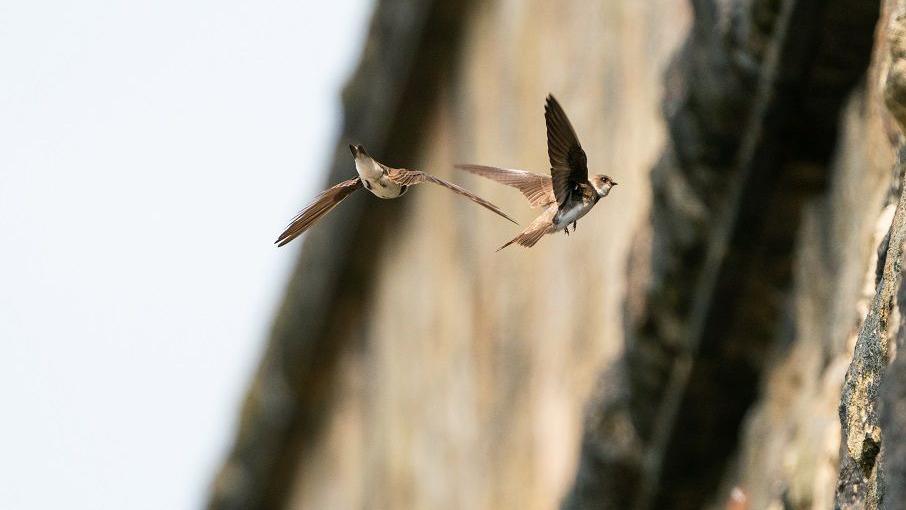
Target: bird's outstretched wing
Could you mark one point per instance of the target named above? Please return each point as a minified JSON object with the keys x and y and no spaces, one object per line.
{"x":536,"y":188}
{"x":535,"y":231}
{"x":411,"y":177}
{"x":569,"y":165}
{"x":321,"y":205}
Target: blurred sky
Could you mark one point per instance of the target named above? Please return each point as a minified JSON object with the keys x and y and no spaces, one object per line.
{"x":150,"y":152}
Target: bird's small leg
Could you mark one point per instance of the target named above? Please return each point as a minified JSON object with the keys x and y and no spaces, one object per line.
{"x":575,"y":224}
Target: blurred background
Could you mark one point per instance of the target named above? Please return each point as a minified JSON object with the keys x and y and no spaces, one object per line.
{"x":720,"y":332}
{"x":150,"y":152}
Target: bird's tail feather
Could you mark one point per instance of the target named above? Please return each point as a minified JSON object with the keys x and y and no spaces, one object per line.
{"x":528,"y":237}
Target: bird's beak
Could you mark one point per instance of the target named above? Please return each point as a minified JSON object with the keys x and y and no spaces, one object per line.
{"x":615,"y":183}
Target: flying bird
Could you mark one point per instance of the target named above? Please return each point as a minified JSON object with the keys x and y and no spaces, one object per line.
{"x":567,"y":195}
{"x":378,"y":178}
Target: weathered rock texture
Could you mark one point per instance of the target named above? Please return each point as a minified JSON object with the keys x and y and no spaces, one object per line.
{"x":753,"y":105}
{"x":796,"y":451}
{"x":719,"y":331}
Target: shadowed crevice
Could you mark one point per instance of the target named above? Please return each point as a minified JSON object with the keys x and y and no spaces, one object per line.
{"x":752,"y":106}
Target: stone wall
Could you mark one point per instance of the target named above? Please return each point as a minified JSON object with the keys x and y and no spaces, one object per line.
{"x":464,"y":384}
{"x":797,"y":451}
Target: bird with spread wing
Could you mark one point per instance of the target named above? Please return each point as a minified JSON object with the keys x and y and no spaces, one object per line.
{"x":567,"y":195}
{"x":378,"y":178}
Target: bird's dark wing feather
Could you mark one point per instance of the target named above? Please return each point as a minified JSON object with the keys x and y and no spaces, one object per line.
{"x":321,"y":205}
{"x":536,"y":188}
{"x":411,"y":177}
{"x":569,"y":165}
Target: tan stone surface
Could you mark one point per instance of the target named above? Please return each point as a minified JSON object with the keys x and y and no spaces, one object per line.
{"x":448,"y":400}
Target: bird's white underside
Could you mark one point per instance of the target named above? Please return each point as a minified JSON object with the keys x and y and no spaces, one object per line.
{"x":567,"y":216}
{"x":374,"y":179}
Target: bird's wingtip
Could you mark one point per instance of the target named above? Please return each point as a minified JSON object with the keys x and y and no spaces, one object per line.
{"x":511,"y":241}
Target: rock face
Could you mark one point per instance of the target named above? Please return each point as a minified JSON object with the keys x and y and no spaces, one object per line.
{"x":791,"y":439}
{"x":720,"y":332}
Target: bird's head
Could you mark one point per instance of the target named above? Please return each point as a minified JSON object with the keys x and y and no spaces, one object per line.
{"x":602,"y":184}
{"x":357,"y":150}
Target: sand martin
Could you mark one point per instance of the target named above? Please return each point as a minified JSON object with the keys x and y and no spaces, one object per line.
{"x":378,"y":178}
{"x":567,"y":195}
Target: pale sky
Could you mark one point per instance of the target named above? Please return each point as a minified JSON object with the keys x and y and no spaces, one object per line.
{"x":150,"y":152}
